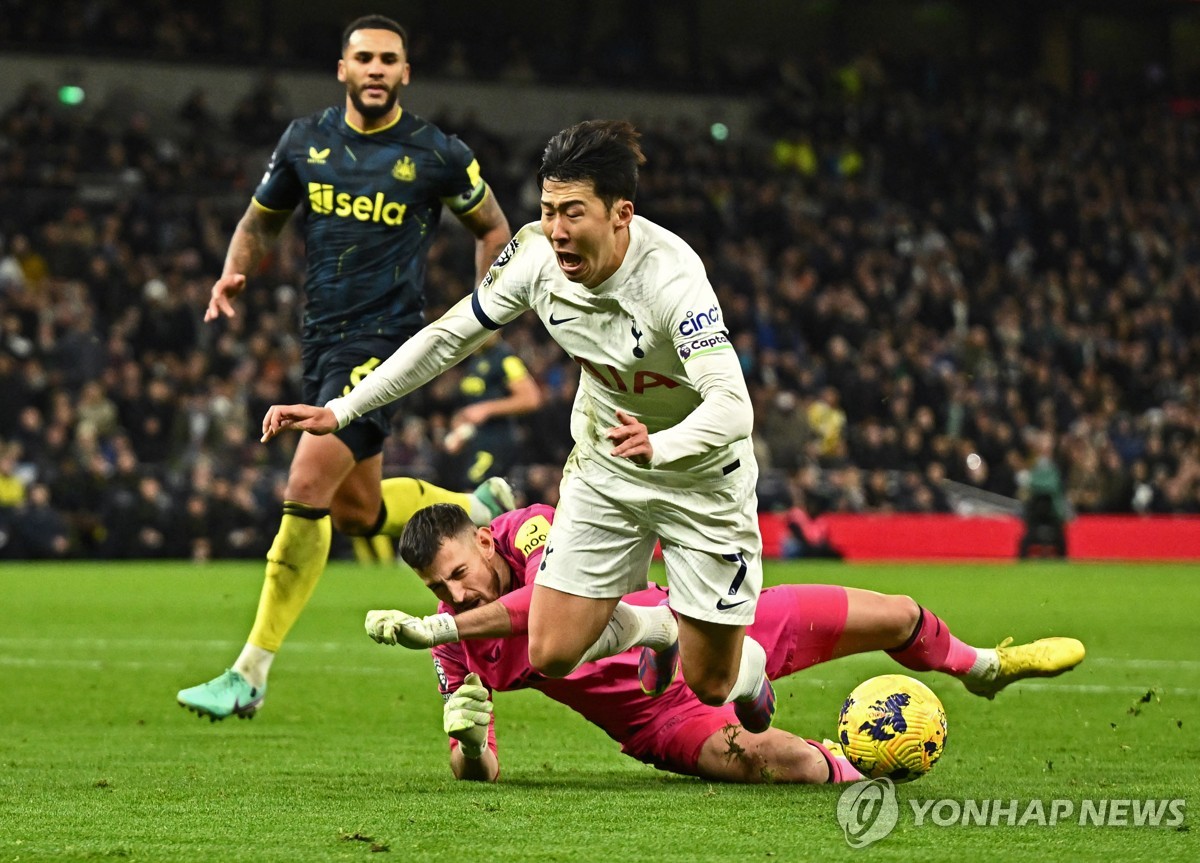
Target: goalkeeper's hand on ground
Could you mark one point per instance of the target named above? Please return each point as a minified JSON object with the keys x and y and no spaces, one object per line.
{"x":467,"y":714}
{"x":389,"y":626}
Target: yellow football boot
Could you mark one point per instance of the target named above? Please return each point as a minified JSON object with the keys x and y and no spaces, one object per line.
{"x":1046,"y":657}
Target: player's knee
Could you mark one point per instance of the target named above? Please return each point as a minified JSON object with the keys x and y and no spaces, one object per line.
{"x":710,"y":689}
{"x":310,"y":490}
{"x":353,"y":518}
{"x":903,"y":616}
{"x":713,"y":696}
{"x":353,"y":523}
{"x":549,"y":661}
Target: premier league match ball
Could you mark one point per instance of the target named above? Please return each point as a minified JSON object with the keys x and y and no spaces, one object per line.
{"x":892,"y":726}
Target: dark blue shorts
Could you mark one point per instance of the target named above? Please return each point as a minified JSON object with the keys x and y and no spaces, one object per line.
{"x":332,"y":370}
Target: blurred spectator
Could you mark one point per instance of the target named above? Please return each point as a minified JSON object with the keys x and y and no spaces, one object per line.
{"x":808,"y":533}
{"x":12,"y":486}
{"x":197,"y":114}
{"x":39,"y":530}
{"x":828,"y":422}
{"x":96,"y":413}
{"x":260,"y":116}
{"x":1045,"y":503}
{"x":782,"y":425}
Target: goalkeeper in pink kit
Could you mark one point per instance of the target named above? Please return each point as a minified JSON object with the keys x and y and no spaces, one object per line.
{"x":484,"y":576}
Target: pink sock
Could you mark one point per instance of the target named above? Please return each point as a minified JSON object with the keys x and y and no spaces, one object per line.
{"x":932,"y":648}
{"x":840,"y":769}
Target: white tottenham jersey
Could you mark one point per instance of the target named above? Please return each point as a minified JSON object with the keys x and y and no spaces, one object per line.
{"x":633,"y":335}
{"x":649,"y":340}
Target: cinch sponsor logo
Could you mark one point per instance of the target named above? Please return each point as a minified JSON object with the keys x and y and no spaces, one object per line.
{"x":328,"y":201}
{"x":697,"y":321}
{"x":713,"y":341}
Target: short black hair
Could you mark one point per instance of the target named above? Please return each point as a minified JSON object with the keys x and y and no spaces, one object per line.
{"x":428,"y":529}
{"x":606,"y":152}
{"x":373,"y":22}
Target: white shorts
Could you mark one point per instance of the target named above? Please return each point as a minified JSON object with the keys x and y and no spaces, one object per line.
{"x":605,"y":528}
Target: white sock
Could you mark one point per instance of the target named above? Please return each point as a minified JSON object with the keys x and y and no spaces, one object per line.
{"x":659,"y":628}
{"x":254,"y":664}
{"x":752,"y":672}
{"x":987,"y":663}
{"x":634,"y":626}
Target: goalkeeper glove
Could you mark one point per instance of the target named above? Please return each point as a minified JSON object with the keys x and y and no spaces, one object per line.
{"x":467,"y":714}
{"x":388,"y":626}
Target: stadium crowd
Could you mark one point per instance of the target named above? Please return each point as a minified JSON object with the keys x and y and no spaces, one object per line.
{"x":599,"y":49}
{"x":920,"y":282}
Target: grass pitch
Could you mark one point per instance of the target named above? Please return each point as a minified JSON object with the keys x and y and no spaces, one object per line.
{"x":347,"y":760}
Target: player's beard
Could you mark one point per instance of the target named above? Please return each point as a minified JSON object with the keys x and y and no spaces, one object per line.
{"x":373,"y":112}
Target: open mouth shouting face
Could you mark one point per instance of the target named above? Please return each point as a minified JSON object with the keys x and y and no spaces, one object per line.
{"x":589,"y":237}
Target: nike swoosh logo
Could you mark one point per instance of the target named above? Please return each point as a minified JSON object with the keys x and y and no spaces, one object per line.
{"x":554,"y":322}
{"x":721,"y":606}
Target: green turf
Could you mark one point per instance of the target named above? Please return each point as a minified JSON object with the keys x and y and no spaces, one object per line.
{"x":98,"y":763}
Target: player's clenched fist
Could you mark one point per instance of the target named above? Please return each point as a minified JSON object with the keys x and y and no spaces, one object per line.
{"x":467,"y":714}
{"x":299,"y":417}
{"x":389,"y":626}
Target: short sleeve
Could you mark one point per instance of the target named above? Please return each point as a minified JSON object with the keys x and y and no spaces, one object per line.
{"x":529,"y":539}
{"x":514,"y":369}
{"x":279,"y":190}
{"x":464,"y":188}
{"x":504,"y":292}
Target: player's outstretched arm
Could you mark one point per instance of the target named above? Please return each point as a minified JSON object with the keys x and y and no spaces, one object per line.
{"x":391,"y":626}
{"x":299,"y":417}
{"x":252,"y":239}
{"x":467,"y":717}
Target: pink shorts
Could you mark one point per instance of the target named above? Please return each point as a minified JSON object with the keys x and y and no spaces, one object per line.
{"x":797,"y":624}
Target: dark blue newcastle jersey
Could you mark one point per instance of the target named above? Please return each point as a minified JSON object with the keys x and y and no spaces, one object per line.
{"x":370,"y":203}
{"x":489,"y":373}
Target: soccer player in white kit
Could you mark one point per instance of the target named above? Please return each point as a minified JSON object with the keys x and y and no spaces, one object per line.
{"x":661,"y":423}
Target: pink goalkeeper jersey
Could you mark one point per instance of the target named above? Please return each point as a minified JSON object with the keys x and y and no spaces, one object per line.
{"x":606,"y":692}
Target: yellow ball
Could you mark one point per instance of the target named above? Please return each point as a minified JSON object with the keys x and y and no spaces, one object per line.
{"x":892,"y":726}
